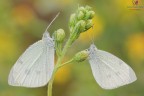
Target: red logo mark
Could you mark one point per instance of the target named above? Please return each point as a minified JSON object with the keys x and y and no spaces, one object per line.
{"x":135,"y":2}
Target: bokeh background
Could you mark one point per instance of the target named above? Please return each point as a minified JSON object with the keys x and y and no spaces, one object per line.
{"x":117,"y":30}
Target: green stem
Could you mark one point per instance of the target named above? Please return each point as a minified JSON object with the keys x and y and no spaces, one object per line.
{"x":58,"y":47}
{"x":49,"y":92}
{"x":65,"y":63}
{"x":67,"y":45}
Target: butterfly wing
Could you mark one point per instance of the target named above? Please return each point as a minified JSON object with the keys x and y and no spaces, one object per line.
{"x":109,"y":71}
{"x":34,"y":68}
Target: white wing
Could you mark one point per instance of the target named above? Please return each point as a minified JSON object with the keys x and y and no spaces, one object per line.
{"x":109,"y":71}
{"x":34,"y":68}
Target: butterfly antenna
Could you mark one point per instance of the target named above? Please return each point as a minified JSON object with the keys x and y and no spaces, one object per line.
{"x":92,"y":37}
{"x":52,"y":21}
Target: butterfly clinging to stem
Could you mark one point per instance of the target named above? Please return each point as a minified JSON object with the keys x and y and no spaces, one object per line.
{"x":108,"y":70}
{"x":35,"y":66}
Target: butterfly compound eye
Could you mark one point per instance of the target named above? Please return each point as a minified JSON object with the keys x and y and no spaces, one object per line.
{"x":87,"y":50}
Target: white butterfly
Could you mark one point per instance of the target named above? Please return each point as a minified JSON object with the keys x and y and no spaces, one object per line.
{"x":34,"y":68}
{"x":109,"y":71}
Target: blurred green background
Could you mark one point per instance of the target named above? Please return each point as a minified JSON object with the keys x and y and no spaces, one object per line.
{"x":117,"y":30}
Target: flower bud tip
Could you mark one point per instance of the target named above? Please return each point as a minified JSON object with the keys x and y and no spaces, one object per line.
{"x":59,"y":35}
{"x":81,"y":56}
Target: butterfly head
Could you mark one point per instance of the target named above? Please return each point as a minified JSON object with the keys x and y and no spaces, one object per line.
{"x":47,"y":39}
{"x":46,"y":35}
{"x":92,"y":47}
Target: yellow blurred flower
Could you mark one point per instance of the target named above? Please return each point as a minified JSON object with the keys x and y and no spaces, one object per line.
{"x":63,"y":75}
{"x":8,"y":50}
{"x":135,"y":46}
{"x":93,"y":32}
{"x":124,"y":3}
{"x":22,"y":14}
{"x":8,"y":46}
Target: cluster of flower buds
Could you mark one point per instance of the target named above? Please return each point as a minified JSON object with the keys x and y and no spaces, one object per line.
{"x":59,"y":37}
{"x":81,"y":21}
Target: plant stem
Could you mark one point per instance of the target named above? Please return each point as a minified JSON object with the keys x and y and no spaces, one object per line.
{"x":65,"y":63}
{"x":49,"y":92}
{"x":67,"y":45}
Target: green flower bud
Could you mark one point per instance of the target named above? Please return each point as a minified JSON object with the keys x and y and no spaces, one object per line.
{"x":59,"y":35}
{"x":88,"y":8}
{"x":81,"y":56}
{"x":72,"y":19}
{"x":80,"y":26}
{"x":81,"y":9}
{"x":80,"y":15}
{"x":89,"y":24}
{"x":90,"y":14}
